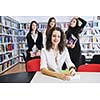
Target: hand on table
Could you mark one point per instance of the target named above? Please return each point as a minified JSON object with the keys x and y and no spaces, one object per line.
{"x":63,"y":76}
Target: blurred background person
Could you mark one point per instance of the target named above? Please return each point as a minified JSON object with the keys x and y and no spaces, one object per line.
{"x":51,"y":23}
{"x":76,"y":26}
{"x":34,"y":40}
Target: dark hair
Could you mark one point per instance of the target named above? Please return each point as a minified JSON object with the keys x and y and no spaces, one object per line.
{"x":30,"y":30}
{"x":48,"y":24}
{"x":62,"y":42}
{"x":74,"y":30}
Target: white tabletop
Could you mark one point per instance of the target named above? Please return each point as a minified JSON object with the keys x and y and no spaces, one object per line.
{"x":83,"y":77}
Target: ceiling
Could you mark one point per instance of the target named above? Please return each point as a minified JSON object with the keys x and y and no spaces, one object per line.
{"x":27,"y":19}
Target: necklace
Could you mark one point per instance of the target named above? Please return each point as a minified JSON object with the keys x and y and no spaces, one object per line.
{"x":55,"y":55}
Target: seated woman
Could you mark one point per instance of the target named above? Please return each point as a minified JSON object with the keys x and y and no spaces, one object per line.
{"x":55,"y":54}
{"x":34,"y":40}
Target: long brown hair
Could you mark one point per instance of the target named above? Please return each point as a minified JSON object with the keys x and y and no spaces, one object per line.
{"x":61,"y":45}
{"x":48,"y":24}
{"x":30,"y":30}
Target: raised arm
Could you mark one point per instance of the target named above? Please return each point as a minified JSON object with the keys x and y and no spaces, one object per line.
{"x":82,"y":21}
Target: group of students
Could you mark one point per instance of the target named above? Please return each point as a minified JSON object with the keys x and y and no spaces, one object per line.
{"x":53,"y":49}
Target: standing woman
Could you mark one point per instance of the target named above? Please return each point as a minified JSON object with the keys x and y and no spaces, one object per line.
{"x":55,"y":54}
{"x":75,"y":28}
{"x":34,"y":40}
{"x":51,"y":23}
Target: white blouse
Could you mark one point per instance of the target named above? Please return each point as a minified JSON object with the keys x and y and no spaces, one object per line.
{"x":48,"y":60}
{"x":44,"y":38}
{"x":34,"y":37}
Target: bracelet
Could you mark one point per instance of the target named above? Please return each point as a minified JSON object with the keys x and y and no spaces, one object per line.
{"x":72,"y":67}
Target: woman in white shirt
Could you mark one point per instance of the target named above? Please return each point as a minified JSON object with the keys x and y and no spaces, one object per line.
{"x":55,"y":54}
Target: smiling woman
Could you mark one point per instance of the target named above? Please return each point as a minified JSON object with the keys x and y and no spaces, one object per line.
{"x":55,"y":54}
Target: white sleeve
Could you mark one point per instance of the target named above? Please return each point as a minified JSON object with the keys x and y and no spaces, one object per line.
{"x":68,"y":60}
{"x":44,"y":38}
{"x":43,"y":63}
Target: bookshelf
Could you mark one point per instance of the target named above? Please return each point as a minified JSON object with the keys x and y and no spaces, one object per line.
{"x":24,"y":28}
{"x":90,"y":39}
{"x":9,"y":53}
{"x":43,"y":25}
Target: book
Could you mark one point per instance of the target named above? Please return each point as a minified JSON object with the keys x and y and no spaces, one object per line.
{"x":1,"y":48}
{"x":72,"y":40}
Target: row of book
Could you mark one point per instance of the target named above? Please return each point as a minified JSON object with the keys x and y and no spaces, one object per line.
{"x":23,"y":45}
{"x":5,"y":57}
{"x":3,"y":51}
{"x":6,"y":47}
{"x":4,"y":38}
{"x":93,"y":24}
{"x":90,"y":32}
{"x":21,"y":39}
{"x":9,"y":55}
{"x":9,"y":31}
{"x":9,"y":39}
{"x":8,"y":64}
{"x":21,"y":32}
{"x":9,"y":22}
{"x":91,"y":39}
{"x":89,"y":46}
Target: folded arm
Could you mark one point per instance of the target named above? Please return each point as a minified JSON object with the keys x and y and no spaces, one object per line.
{"x":54,"y":74}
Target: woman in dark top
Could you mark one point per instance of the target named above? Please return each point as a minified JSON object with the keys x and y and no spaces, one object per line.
{"x":75,"y":28}
{"x":34,"y":40}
